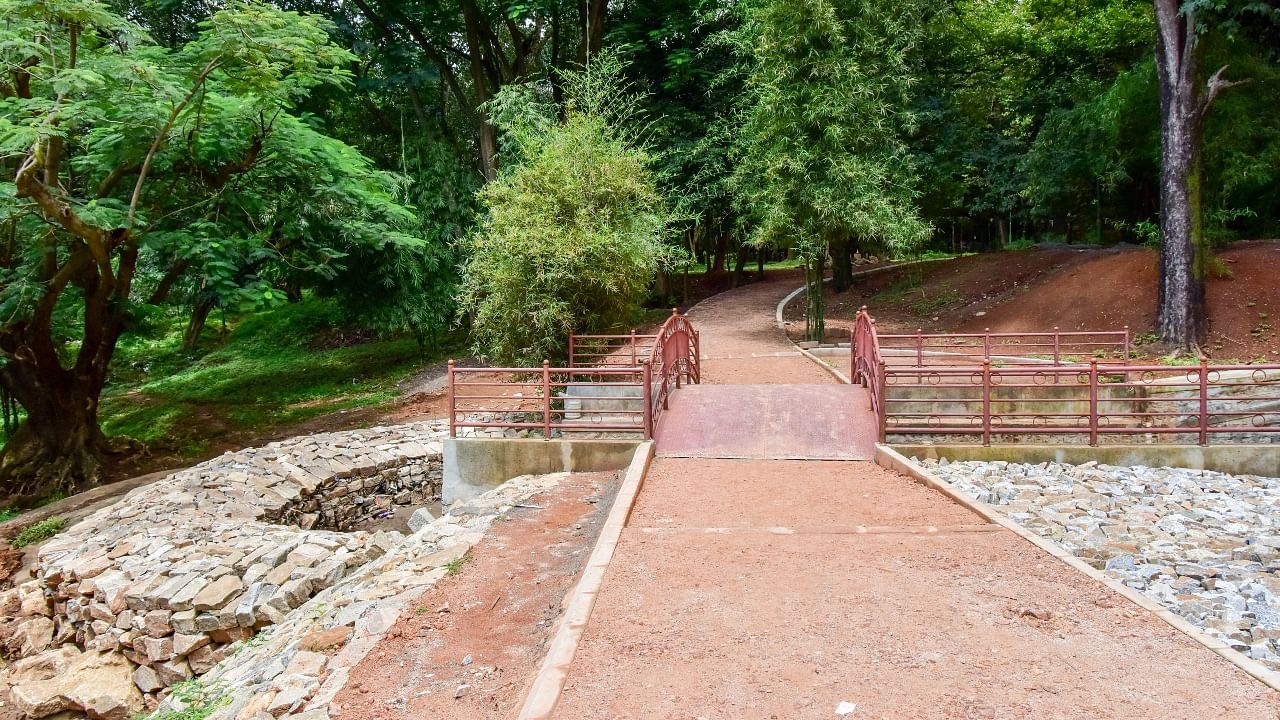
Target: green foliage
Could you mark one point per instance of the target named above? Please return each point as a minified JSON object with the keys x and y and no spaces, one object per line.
{"x":193,"y":700}
{"x":820,"y":156}
{"x":455,"y":567}
{"x":39,"y":532}
{"x":821,"y":151}
{"x":572,"y":233}
{"x":273,"y":368}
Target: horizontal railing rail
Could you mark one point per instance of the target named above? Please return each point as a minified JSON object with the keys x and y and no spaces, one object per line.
{"x":549,"y":400}
{"x":615,"y":383}
{"x":1093,"y":399}
{"x":1056,"y":347}
{"x":610,"y":350}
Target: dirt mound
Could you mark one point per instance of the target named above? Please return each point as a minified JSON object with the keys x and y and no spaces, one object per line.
{"x":1072,"y":289}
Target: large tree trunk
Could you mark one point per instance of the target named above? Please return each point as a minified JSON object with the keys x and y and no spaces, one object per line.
{"x":841,"y":264}
{"x":1180,"y":319}
{"x":58,"y":448}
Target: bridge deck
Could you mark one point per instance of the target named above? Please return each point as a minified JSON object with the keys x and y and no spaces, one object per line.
{"x":769,"y":422}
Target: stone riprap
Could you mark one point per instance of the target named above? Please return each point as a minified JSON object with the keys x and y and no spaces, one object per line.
{"x":1204,"y":544}
{"x":298,"y":666}
{"x":171,"y":576}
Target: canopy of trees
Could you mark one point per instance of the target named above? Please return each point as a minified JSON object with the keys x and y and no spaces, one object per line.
{"x":435,"y":165}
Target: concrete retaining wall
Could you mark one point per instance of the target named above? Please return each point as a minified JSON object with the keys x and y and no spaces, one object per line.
{"x":475,"y":465}
{"x":1235,"y":459}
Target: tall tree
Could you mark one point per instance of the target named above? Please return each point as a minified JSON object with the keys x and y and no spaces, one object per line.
{"x":1185,"y":98}
{"x":822,"y":160}
{"x":120,"y":152}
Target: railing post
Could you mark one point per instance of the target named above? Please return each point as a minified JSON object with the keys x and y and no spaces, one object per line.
{"x":450,"y":401}
{"x":919,"y":347}
{"x":986,"y":402}
{"x":633,"y":348}
{"x":853,"y":348}
{"x":883,"y":413}
{"x":647,"y":394}
{"x":546,"y":399}
{"x":986,"y":343}
{"x":1056,"y":348}
{"x":1093,"y":402}
{"x":1126,"y":344}
{"x":572,"y":338}
{"x":1204,"y":401}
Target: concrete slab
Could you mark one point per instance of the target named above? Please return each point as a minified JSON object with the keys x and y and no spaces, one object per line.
{"x":776,"y":422}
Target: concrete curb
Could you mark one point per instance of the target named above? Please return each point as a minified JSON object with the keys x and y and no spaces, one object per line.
{"x":889,"y":458}
{"x":544,"y":692}
{"x":844,"y":379}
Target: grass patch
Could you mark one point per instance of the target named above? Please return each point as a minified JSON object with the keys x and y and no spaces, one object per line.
{"x":196,"y":701}
{"x":455,"y":567}
{"x":271,"y":369}
{"x":39,"y":532}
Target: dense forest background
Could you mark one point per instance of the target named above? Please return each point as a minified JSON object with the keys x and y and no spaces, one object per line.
{"x":323,"y":176}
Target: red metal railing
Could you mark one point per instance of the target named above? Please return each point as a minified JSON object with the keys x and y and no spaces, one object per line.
{"x":1003,"y":384}
{"x":922,"y":349}
{"x":549,"y":400}
{"x":1096,"y":400}
{"x":674,"y":359}
{"x":867,"y":365}
{"x":610,"y":350}
{"x":598,"y":392}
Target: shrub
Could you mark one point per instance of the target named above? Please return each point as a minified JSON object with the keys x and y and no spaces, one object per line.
{"x":39,"y":532}
{"x":572,"y":238}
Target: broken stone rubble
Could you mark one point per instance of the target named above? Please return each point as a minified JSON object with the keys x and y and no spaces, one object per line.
{"x":174,"y":574}
{"x":1204,"y":544}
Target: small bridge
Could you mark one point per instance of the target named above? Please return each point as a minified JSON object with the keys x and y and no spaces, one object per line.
{"x":992,"y":388}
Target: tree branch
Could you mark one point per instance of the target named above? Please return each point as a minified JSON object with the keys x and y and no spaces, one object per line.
{"x":1216,"y":85}
{"x":162,"y":133}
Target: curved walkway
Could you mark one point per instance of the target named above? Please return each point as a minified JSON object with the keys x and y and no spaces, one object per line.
{"x":750,"y":588}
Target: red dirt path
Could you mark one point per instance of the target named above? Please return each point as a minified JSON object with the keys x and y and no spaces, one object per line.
{"x":501,"y":610}
{"x":779,"y":589}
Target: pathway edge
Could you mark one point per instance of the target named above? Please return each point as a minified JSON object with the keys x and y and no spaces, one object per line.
{"x":544,"y":692}
{"x":784,"y":302}
{"x":891,"y":459}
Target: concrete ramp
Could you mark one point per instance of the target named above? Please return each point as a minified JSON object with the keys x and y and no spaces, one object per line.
{"x":769,"y":422}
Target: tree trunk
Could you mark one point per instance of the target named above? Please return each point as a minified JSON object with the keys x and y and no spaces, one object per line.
{"x":161,"y":293}
{"x":722,"y":249}
{"x":815,"y":315}
{"x":760,"y":261}
{"x":1003,"y":233}
{"x":59,"y":446}
{"x":199,"y":316}
{"x":739,"y":266}
{"x":1180,"y":318}
{"x":841,"y":264}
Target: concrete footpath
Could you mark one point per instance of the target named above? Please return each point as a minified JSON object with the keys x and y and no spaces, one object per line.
{"x":766,"y":588}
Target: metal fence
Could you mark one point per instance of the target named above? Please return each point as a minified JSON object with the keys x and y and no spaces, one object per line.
{"x":1057,"y":347}
{"x":916,"y":388}
{"x":615,"y":384}
{"x":610,"y":350}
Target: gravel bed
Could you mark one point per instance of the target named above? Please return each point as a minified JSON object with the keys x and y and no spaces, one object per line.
{"x":1204,"y":544}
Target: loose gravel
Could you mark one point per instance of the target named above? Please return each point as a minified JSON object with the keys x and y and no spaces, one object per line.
{"x":1204,"y":544}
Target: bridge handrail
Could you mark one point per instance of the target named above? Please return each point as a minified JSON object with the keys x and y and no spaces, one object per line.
{"x":540,"y":399}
